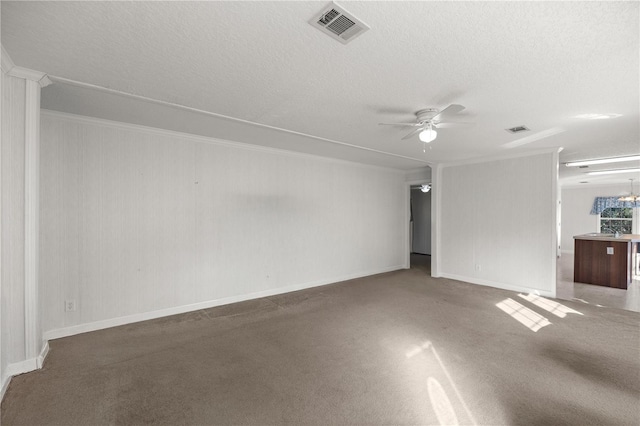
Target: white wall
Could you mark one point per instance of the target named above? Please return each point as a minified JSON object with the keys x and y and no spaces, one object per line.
{"x":498,"y":222}
{"x":419,"y":175}
{"x":576,"y":205}
{"x":138,"y":222}
{"x":421,"y":206}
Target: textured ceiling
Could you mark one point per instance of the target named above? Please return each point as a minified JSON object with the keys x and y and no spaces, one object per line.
{"x":537,"y":64}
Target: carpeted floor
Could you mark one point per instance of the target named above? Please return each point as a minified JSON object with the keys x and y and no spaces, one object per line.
{"x":396,"y":348}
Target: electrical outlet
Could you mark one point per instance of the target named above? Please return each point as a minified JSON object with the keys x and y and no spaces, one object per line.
{"x":70,"y":305}
{"x":609,"y":250}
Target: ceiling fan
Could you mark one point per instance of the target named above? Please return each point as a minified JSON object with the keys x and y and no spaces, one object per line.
{"x":428,"y":120}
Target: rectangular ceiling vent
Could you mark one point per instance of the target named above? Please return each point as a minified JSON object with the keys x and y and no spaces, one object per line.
{"x":518,"y":129}
{"x":338,"y":24}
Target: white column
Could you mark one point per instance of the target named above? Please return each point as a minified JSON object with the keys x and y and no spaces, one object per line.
{"x":31,"y":194}
{"x":34,"y":81}
{"x":436,"y":209}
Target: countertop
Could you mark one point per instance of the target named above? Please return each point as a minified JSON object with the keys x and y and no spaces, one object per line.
{"x":634,"y":238}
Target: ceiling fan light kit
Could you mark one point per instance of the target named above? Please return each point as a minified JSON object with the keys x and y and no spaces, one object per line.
{"x":428,"y":135}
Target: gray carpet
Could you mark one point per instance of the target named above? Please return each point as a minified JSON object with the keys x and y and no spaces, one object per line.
{"x":396,"y":348}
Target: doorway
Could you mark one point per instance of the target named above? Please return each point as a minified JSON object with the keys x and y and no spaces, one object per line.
{"x":420,"y":226}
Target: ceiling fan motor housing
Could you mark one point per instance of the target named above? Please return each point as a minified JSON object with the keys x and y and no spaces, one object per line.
{"x":426,"y":114}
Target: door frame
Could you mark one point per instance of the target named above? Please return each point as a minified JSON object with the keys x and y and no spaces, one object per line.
{"x":407,"y":216}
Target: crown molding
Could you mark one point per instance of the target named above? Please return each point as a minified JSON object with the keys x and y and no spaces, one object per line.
{"x":41,"y":78}
{"x":10,"y":68}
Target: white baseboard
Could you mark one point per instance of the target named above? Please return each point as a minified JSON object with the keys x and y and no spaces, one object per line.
{"x":22,"y":367}
{"x":114,"y":322}
{"x":503,"y":286}
{"x":43,"y":354}
{"x":28,"y":364}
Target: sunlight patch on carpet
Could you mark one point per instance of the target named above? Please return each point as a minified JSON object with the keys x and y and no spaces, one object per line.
{"x":441,"y":404}
{"x":445,"y":398}
{"x":557,"y":309}
{"x":523,"y":315}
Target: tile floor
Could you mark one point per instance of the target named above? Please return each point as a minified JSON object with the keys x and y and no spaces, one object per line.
{"x":566,"y":289}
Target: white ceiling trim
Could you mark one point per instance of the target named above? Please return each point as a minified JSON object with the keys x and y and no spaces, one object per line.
{"x":205,"y":139}
{"x":41,"y":78}
{"x":10,"y":68}
{"x":213,"y":114}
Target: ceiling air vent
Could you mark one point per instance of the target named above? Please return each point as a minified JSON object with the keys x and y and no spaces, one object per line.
{"x":518,"y":129}
{"x":338,"y":23}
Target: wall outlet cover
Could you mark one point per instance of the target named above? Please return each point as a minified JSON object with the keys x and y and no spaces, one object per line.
{"x":609,"y":250}
{"x":70,"y":305}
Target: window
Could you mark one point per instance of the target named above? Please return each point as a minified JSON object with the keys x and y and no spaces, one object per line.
{"x":616,"y":219}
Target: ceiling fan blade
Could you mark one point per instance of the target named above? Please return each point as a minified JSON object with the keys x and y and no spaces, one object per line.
{"x":398,"y":124}
{"x":418,"y":130}
{"x":451,"y":109}
{"x":453,"y":125}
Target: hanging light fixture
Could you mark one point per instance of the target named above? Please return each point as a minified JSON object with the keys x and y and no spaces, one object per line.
{"x":428,"y":134}
{"x":634,"y":198}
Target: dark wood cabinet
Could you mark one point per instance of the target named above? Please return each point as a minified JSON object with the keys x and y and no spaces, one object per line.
{"x":593,"y":265}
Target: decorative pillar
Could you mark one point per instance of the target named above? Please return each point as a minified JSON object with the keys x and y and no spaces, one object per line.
{"x":34,"y":81}
{"x":31,"y":218}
